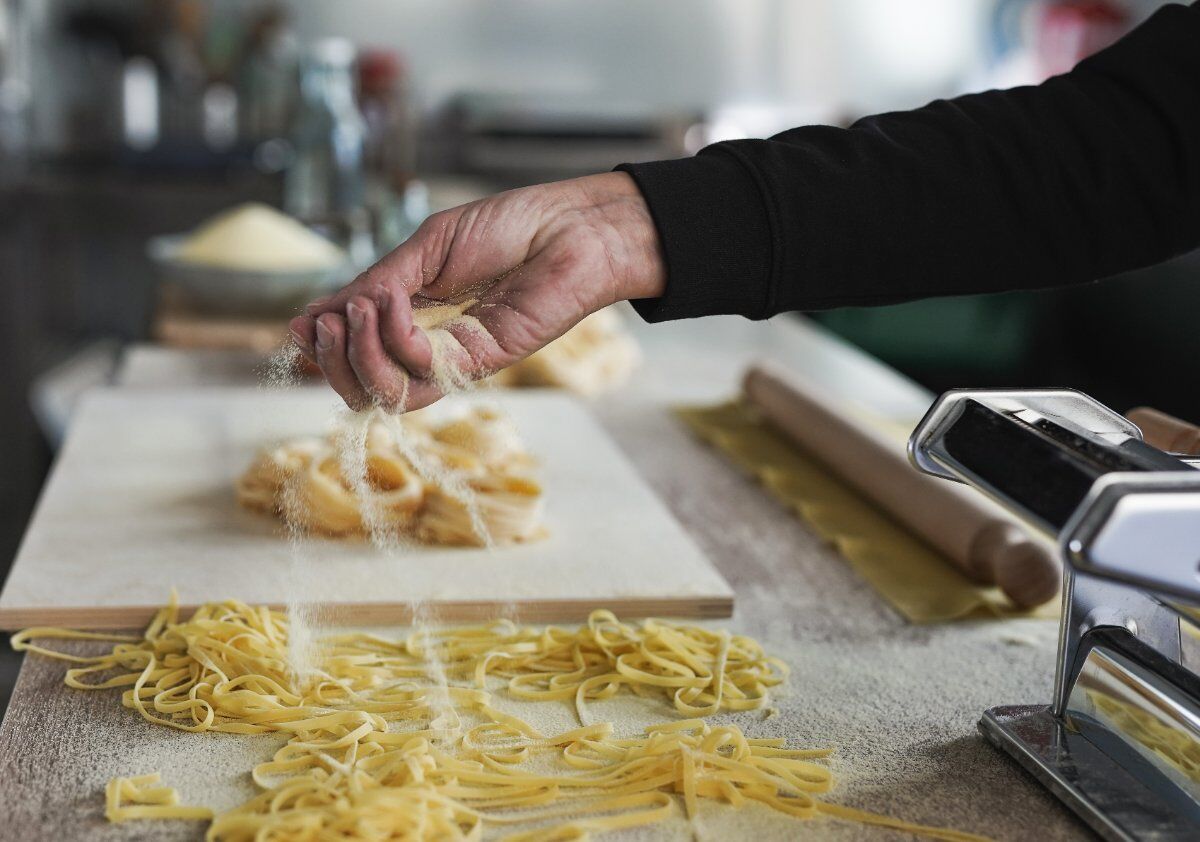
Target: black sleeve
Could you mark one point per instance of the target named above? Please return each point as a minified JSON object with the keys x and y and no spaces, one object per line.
{"x":1092,"y":173}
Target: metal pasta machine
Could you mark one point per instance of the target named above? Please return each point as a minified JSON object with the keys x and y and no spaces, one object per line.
{"x":1119,"y":742}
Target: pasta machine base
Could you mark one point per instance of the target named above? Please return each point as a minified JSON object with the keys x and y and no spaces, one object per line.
{"x":1102,"y":792}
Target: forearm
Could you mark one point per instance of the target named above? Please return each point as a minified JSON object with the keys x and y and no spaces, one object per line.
{"x":1089,"y":174}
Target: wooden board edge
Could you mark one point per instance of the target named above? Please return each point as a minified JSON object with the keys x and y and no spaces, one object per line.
{"x":398,"y":614}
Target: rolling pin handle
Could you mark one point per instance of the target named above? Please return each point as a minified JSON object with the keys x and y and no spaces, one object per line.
{"x":1023,"y":569}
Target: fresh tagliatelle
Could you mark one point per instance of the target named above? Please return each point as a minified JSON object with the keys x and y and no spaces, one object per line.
{"x":464,"y":481}
{"x":400,"y":739}
{"x":142,"y":797}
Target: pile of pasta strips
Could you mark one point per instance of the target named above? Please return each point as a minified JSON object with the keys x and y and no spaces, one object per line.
{"x":466,"y":480}
{"x":379,"y":749}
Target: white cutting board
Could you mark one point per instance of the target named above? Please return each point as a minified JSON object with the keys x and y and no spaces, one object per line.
{"x":141,"y":499}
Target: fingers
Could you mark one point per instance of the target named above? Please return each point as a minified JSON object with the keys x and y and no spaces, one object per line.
{"x":355,"y":360}
{"x":378,"y":375}
{"x":351,"y":352}
{"x":374,"y":284}
{"x":367,"y":284}
{"x":331,"y":351}
{"x":461,"y":346}
{"x":456,"y":369}
{"x":422,"y":393}
{"x":474,"y":351}
{"x":303,"y":330}
{"x":407,"y":343}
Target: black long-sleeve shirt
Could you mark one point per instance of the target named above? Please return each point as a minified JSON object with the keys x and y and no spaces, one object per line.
{"x":1091,"y":173}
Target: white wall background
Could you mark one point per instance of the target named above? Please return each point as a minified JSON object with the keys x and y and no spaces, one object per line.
{"x":810,"y":59}
{"x":843,"y":55}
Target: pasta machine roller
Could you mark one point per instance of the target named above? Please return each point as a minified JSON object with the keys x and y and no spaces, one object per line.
{"x":1119,"y":742}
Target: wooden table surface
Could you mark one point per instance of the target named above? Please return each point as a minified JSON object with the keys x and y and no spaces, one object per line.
{"x":899,"y":701}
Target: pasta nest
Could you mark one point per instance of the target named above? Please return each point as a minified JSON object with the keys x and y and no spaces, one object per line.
{"x":464,"y":481}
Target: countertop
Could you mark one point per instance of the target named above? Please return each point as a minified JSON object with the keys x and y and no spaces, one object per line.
{"x":899,"y":701}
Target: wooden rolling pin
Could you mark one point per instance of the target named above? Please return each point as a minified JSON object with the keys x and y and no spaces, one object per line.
{"x":978,"y":536}
{"x":1166,"y":432}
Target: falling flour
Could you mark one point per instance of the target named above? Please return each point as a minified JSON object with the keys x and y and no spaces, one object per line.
{"x":450,"y":374}
{"x":283,"y":369}
{"x":440,"y":323}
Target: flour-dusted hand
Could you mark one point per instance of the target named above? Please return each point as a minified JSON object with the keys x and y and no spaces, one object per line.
{"x":535,"y":261}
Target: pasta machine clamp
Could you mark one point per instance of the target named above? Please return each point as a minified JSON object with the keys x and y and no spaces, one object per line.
{"x":1119,"y":742}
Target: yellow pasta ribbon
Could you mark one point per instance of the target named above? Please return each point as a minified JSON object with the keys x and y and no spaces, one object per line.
{"x":142,"y":798}
{"x":379,"y":747}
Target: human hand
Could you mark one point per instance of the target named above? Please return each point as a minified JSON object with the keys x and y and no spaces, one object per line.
{"x":536,"y":261}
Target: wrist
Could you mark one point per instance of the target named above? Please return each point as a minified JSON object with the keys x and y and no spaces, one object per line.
{"x":632,"y":240}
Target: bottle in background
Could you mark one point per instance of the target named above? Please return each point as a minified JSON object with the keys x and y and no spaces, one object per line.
{"x":398,"y":202}
{"x":268,"y":77}
{"x":325,"y":183}
{"x":392,"y":122}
